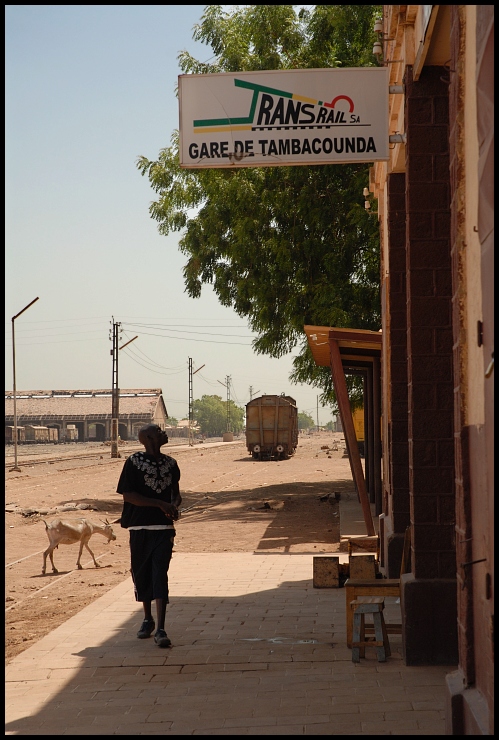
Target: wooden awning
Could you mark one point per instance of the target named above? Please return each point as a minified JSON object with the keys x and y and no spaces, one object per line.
{"x":347,"y":339}
{"x":351,"y":350}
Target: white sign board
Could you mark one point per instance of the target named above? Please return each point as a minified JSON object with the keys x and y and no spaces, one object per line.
{"x":291,"y":117}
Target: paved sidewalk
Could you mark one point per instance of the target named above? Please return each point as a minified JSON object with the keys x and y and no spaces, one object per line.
{"x":256,"y":651}
{"x":352,"y":522}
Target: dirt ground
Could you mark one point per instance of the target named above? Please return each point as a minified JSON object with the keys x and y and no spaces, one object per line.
{"x":231,"y":503}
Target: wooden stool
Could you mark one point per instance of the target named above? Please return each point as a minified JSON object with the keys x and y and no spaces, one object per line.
{"x":381,"y":587}
{"x":374,"y":606}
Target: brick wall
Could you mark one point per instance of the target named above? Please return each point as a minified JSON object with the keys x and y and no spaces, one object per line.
{"x":429,"y":326}
{"x":399,"y":448}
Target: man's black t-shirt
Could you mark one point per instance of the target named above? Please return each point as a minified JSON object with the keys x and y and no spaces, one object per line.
{"x":142,"y":474}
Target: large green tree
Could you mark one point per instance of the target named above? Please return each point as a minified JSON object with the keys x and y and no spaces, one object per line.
{"x":305,"y":421}
{"x":284,"y":246}
{"x":211,"y":414}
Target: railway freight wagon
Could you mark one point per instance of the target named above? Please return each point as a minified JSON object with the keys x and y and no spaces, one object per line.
{"x":53,"y":435}
{"x":271,"y":427}
{"x":36,"y":434}
{"x":71,"y":433}
{"x":10,"y":434}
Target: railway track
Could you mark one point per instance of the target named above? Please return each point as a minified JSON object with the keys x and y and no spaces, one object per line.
{"x":29,"y":461}
{"x":64,"y":458}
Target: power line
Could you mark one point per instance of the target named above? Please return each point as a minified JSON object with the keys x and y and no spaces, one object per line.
{"x":171,"y":318}
{"x":234,"y":392}
{"x":158,"y":372}
{"x":210,"y":382}
{"x":65,"y":334}
{"x":175,"y":372}
{"x":179,"y":368}
{"x":62,"y":341}
{"x":188,"y":339}
{"x":252,"y":392}
{"x":184,"y":331}
{"x":54,"y":321}
{"x":193,"y":326}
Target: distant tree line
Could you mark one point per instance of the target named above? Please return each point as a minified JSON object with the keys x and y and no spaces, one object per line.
{"x":210,"y":412}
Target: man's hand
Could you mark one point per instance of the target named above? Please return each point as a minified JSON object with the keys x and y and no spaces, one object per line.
{"x":168,"y":509}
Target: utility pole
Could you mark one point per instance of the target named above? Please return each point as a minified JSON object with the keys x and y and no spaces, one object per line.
{"x":251,"y":392}
{"x":115,"y":403}
{"x":317,"y":413}
{"x":115,"y":391}
{"x":227,"y":385}
{"x":229,"y":425}
{"x":14,"y":388}
{"x":191,"y":400}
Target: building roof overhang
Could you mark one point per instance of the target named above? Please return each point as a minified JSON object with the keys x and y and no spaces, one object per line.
{"x":354,"y":344}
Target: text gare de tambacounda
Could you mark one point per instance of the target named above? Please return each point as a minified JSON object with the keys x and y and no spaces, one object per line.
{"x":290,"y":114}
{"x":283,"y":147}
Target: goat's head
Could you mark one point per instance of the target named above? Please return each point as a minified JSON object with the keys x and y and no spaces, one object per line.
{"x":108,"y":531}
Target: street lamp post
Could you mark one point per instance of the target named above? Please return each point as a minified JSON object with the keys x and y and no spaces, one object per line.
{"x":16,"y":468}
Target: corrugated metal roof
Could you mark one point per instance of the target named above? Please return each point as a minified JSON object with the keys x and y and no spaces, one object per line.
{"x":65,"y":404}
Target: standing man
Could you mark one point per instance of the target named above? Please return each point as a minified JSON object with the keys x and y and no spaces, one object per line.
{"x":149,"y":483}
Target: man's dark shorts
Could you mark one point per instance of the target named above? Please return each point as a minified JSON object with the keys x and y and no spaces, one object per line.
{"x":151,"y":552}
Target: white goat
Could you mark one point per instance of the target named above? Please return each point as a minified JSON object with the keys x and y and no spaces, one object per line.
{"x":62,"y":532}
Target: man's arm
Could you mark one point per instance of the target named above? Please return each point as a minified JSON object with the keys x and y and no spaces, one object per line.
{"x":138,"y":500}
{"x":176,"y":497}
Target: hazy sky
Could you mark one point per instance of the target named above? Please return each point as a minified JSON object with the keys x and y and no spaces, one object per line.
{"x":89,"y":88}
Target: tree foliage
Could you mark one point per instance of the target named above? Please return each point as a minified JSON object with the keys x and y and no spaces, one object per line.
{"x":305,"y":421}
{"x":210,"y":412}
{"x":283,"y":246}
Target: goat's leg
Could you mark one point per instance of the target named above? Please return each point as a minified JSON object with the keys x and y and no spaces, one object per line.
{"x":78,"y":564}
{"x":50,"y":552}
{"x":54,"y":569}
{"x":91,"y":553}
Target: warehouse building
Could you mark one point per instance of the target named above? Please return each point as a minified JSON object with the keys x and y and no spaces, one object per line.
{"x":87,"y":411}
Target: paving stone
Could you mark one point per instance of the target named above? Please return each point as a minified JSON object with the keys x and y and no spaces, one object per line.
{"x":278,"y":730}
{"x":217,"y":679}
{"x":223,"y":731}
{"x":375,"y":727}
{"x":419,"y":706}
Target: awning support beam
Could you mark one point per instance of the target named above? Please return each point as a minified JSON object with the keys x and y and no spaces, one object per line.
{"x":341,"y":391}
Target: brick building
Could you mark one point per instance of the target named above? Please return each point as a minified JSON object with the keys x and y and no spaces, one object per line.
{"x":435,"y":211}
{"x":88,"y":410}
